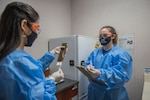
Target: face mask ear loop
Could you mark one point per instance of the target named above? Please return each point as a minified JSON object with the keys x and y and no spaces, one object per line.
{"x":29,"y":25}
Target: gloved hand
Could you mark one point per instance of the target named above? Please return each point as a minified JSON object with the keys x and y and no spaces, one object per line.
{"x":58,"y":75}
{"x":57,"y":49}
{"x":92,"y":71}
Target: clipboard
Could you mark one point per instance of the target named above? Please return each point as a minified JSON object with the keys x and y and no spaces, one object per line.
{"x":85,"y":72}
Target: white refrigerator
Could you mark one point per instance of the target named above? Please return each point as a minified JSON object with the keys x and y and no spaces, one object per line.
{"x":79,"y":47}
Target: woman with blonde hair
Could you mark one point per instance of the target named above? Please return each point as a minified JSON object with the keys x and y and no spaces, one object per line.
{"x":110,"y":64}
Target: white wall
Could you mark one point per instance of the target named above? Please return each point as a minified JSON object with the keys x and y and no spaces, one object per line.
{"x":129,"y":17}
{"x":86,"y":17}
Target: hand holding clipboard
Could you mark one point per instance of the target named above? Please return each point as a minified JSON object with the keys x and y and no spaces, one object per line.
{"x":85,"y":71}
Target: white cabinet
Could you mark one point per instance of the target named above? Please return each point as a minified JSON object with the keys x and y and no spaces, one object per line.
{"x":79,"y":47}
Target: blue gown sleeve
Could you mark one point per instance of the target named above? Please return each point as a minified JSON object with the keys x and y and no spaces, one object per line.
{"x":50,"y":90}
{"x":31,"y":81}
{"x":119,"y":73}
{"x":46,"y":60}
{"x":116,"y":69}
{"x":27,"y":81}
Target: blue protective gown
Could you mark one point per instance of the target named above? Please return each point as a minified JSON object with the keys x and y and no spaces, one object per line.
{"x":22,"y":78}
{"x":115,"y":66}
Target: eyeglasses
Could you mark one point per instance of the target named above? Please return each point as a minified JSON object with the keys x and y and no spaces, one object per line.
{"x":35,"y":28}
{"x":106,"y":34}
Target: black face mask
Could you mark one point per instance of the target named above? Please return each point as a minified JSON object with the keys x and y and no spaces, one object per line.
{"x":30,"y":39}
{"x":104,"y":40}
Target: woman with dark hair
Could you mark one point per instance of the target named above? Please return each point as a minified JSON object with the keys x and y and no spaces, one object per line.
{"x":110,"y":64}
{"x":21,"y":76}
